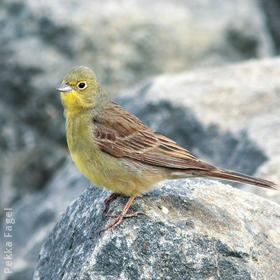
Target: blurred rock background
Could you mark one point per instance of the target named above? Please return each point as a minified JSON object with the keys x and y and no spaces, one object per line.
{"x":126,"y":43}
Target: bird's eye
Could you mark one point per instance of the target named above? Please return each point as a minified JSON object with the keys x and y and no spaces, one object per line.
{"x":82,"y":85}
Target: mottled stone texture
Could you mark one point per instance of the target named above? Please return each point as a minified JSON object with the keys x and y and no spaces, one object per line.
{"x":206,"y":231}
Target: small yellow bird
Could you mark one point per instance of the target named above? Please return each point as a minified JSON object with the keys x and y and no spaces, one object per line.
{"x":113,"y":148}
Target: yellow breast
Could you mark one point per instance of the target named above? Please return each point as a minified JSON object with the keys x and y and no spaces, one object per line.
{"x":82,"y":146}
{"x":120,"y":175}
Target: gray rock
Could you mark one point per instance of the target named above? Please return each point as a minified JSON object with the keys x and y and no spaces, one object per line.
{"x":192,"y":229}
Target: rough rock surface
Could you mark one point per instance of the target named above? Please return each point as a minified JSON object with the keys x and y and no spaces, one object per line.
{"x":192,"y":229}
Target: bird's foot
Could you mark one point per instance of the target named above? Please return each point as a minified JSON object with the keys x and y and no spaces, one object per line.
{"x":107,"y":202}
{"x":119,"y":218}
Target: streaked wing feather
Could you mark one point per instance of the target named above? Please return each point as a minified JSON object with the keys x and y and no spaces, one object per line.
{"x":124,"y":135}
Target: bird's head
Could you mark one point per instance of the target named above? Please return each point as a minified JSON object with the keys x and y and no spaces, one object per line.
{"x":79,"y":89}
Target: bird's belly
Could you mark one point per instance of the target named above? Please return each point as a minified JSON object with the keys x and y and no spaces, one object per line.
{"x":120,"y":175}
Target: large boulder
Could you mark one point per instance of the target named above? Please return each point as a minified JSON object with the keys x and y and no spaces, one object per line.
{"x":192,"y":229}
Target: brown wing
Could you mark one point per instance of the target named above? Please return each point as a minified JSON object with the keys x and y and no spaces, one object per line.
{"x":121,"y":134}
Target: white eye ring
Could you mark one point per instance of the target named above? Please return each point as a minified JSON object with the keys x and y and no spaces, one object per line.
{"x":82,"y":85}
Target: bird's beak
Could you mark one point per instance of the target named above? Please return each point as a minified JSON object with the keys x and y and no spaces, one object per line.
{"x":64,"y":87}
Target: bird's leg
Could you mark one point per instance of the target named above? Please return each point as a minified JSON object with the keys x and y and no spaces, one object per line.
{"x":123,"y":214}
{"x":107,"y":202}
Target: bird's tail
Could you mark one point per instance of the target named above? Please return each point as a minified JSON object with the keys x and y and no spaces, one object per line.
{"x":238,"y":177}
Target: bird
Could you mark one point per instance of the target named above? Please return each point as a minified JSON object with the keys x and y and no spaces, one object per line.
{"x":116,"y":150}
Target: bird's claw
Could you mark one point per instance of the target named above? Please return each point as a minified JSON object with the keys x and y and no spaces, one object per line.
{"x":107,"y":202}
{"x":119,"y":218}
